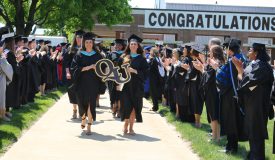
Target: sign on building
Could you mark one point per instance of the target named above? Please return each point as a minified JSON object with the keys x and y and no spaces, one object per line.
{"x":240,"y":22}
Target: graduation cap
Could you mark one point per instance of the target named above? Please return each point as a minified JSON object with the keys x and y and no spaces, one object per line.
{"x":258,"y":47}
{"x":31,"y":40}
{"x":25,"y":39}
{"x":89,"y":36}
{"x":120,"y":41}
{"x":187,"y":45}
{"x":135,"y":38}
{"x":168,"y":52}
{"x":79,"y":33}
{"x":18,"y":38}
{"x":63,"y":44}
{"x":8,"y":37}
{"x":40,"y":41}
{"x":47,"y":42}
{"x":232,"y":43}
{"x":148,"y":48}
{"x":198,"y":47}
{"x":180,"y":51}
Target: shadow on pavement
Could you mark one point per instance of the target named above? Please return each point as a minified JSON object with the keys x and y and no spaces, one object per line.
{"x":99,"y":137}
{"x":139,"y":137}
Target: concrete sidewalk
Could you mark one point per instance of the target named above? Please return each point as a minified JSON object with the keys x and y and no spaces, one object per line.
{"x":56,"y":137}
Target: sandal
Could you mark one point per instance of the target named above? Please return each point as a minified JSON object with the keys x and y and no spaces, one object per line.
{"x":132,"y":132}
{"x":88,"y":133}
{"x":83,"y":126}
{"x":125,"y":131}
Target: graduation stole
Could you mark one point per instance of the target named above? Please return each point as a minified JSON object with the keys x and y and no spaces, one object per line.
{"x":112,"y":72}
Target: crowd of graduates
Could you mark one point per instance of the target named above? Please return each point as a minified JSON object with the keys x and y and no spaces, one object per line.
{"x":27,"y":67}
{"x":235,"y":88}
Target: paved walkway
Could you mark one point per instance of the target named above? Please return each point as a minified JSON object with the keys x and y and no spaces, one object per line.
{"x":56,"y":137}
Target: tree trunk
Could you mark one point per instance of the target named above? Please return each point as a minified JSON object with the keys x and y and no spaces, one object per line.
{"x":30,"y":21}
{"x":19,"y":17}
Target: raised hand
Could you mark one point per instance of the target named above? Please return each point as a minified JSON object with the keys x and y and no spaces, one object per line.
{"x":214,"y":64}
{"x":239,"y":66}
{"x":131,"y":70}
{"x":185,"y":66}
{"x":198,"y":65}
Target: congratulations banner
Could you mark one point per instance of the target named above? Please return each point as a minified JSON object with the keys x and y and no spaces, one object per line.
{"x":209,"y":21}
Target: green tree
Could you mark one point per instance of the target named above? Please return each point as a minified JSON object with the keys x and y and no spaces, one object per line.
{"x":62,"y":15}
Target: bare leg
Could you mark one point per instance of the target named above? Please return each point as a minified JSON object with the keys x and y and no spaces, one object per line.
{"x":42,"y":89}
{"x":126,"y":124}
{"x":198,"y":120}
{"x":74,"y":111}
{"x":177,"y":111}
{"x":83,"y":122}
{"x":114,"y":109}
{"x":118,"y":109}
{"x":90,"y":121}
{"x":215,"y":130}
{"x":132,"y":121}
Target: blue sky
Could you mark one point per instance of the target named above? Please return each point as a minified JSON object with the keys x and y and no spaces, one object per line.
{"x":151,"y":3}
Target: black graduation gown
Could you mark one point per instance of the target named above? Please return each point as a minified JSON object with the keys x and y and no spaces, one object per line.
{"x":193,"y":78}
{"x":132,"y":92}
{"x":13,"y":89}
{"x":114,"y":94}
{"x":155,"y":78}
{"x":256,"y":100}
{"x":210,"y":93}
{"x":67,"y":61}
{"x":186,"y":112}
{"x":54,"y":72}
{"x":34,"y":77}
{"x":86,"y":84}
{"x":231,"y":119}
{"x":45,"y":64}
{"x":24,"y":85}
{"x":170,"y":88}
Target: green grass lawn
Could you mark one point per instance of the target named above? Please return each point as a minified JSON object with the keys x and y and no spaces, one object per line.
{"x":24,"y":117}
{"x":199,"y":139}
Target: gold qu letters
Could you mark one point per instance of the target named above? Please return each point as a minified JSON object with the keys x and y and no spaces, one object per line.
{"x":111,"y":72}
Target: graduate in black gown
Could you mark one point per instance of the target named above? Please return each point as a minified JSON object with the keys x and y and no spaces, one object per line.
{"x":256,"y":82}
{"x":209,"y":86}
{"x":132,"y":92}
{"x":24,"y":87}
{"x":54,"y":54}
{"x":114,"y":88}
{"x":170,"y":81}
{"x":86,"y":82}
{"x":231,"y":113}
{"x":156,"y":74}
{"x":184,"y":111}
{"x":46,"y":77}
{"x":13,"y":89}
{"x":193,"y":77}
{"x":34,"y":71}
{"x":68,"y":58}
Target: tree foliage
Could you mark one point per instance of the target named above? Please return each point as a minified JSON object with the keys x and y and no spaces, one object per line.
{"x":63,"y":15}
